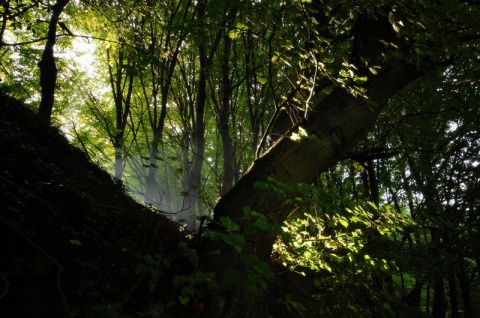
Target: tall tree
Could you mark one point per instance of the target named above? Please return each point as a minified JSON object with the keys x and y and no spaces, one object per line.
{"x":121,"y":83}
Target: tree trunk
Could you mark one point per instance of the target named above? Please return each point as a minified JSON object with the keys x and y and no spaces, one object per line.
{"x":453,"y":294}
{"x":48,"y":69}
{"x":119,"y":163}
{"x":122,"y":100}
{"x":226,"y":106}
{"x":333,"y":127}
{"x":195,"y":177}
{"x":151,"y":197}
{"x":414,"y":297}
{"x":464,"y":283}
{"x":439,"y":308}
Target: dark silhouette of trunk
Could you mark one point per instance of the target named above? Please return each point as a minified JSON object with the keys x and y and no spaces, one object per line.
{"x":226,"y":105}
{"x":414,"y":297}
{"x":439,"y":307}
{"x":48,"y":68}
{"x":5,"y":18}
{"x":464,"y":283}
{"x":453,"y":295}
{"x":381,"y":280}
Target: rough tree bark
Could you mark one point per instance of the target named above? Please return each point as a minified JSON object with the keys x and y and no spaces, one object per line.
{"x":48,"y":69}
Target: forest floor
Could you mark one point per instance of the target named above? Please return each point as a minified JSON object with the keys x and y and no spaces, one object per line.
{"x":72,"y":243}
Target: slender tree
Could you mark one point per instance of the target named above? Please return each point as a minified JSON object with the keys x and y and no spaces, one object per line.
{"x":48,"y":68}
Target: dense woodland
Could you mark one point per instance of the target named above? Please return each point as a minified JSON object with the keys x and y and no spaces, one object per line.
{"x":316,"y":158}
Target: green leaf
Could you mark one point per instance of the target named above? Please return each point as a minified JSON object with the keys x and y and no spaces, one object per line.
{"x":343,"y":222}
{"x":233,"y":34}
{"x":184,"y":300}
{"x":262,"y":80}
{"x":263,"y":225}
{"x":237,"y":241}
{"x":301,"y":133}
{"x":241,"y":26}
{"x":229,"y":224}
{"x":374,"y":69}
{"x":360,"y":80}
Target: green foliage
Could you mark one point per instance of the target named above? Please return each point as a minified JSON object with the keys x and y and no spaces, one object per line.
{"x":193,"y":286}
{"x":257,"y":273}
{"x":230,"y":236}
{"x":154,"y":265}
{"x":344,"y":243}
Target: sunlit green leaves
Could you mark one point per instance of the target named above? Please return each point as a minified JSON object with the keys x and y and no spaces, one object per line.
{"x":321,"y":241}
{"x":262,"y":80}
{"x":239,"y":28}
{"x":296,"y":136}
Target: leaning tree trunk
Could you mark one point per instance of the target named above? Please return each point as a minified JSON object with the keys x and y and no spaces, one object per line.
{"x":333,"y":127}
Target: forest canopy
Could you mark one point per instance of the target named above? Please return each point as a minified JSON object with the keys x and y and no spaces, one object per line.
{"x":328,"y":145}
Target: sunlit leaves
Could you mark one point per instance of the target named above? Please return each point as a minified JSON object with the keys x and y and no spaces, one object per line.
{"x":262,"y":80}
{"x":317,"y":237}
{"x":239,"y":28}
{"x":296,"y":136}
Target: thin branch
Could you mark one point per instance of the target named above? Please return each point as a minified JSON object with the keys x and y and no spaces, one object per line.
{"x":86,"y":37}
